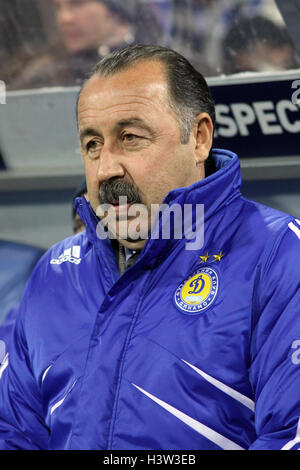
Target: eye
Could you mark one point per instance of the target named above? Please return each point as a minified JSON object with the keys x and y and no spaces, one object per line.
{"x":93,"y":148}
{"x":130,"y":137}
{"x":92,"y":144}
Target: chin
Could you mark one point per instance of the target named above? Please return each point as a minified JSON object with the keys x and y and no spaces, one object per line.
{"x":74,"y":48}
{"x":133,"y":244}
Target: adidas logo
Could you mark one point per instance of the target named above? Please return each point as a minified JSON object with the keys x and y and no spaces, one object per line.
{"x":71,"y":254}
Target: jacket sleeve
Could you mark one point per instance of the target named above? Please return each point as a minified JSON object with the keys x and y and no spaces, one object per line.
{"x":21,"y":422}
{"x":275,"y":345}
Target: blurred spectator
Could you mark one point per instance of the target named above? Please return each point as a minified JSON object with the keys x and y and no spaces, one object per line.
{"x":88,"y":30}
{"x":89,"y":25}
{"x":200,"y":26}
{"x":257,"y":44}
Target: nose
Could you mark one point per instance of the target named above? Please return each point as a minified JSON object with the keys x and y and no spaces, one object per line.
{"x":109,"y":165}
{"x":64,"y":15}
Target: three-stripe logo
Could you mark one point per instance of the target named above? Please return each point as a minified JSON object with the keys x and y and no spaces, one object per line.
{"x":70,"y":254}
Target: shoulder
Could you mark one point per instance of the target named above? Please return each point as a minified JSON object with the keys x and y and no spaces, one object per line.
{"x":58,"y":262}
{"x":268,"y":237}
{"x":266,"y":225}
{"x":285,"y":250}
{"x":268,"y":217}
{"x":278,"y":268}
{"x":58,"y":277}
{"x":272,"y":242}
{"x":72,"y":249}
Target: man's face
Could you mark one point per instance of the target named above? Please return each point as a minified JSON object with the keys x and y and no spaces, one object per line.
{"x":131,"y":142}
{"x":83,"y":24}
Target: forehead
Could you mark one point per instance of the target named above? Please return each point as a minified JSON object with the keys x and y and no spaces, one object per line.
{"x":140,"y":88}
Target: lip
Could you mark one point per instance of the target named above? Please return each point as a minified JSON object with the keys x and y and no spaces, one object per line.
{"x":71,"y":35}
{"x":121,"y":211}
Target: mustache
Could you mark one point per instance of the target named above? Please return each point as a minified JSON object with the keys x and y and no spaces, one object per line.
{"x":110,"y":191}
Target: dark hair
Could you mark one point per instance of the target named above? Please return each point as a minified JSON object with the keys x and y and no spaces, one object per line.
{"x":189,"y":94}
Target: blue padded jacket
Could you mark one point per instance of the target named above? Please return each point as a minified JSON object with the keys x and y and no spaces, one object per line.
{"x":188,"y":349}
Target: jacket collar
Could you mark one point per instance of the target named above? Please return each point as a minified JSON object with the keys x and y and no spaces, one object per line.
{"x":215,"y":192}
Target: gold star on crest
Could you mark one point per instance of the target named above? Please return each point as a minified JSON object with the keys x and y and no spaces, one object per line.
{"x":218,"y":257}
{"x":204,"y":258}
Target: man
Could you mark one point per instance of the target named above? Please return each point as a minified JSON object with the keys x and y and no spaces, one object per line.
{"x":188,"y":348}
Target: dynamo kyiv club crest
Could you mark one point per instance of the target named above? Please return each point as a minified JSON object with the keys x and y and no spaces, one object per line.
{"x":197,"y":293}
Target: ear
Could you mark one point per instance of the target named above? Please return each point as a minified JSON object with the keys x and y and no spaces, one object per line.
{"x":203,"y":137}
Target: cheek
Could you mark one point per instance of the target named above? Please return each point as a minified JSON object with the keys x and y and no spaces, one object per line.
{"x":155,"y":188}
{"x":87,"y":26}
{"x":95,"y":23}
{"x":157,"y":175}
{"x":176,"y":172}
{"x":92,"y":183}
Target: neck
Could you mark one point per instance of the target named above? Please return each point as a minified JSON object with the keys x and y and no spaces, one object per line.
{"x":133,"y":245}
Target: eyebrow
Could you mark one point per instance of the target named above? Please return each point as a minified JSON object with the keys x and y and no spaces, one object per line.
{"x":86,"y":132}
{"x":134,"y":122}
{"x":120,"y":124}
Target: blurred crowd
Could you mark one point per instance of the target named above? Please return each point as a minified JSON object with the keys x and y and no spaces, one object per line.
{"x":56,"y":42}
